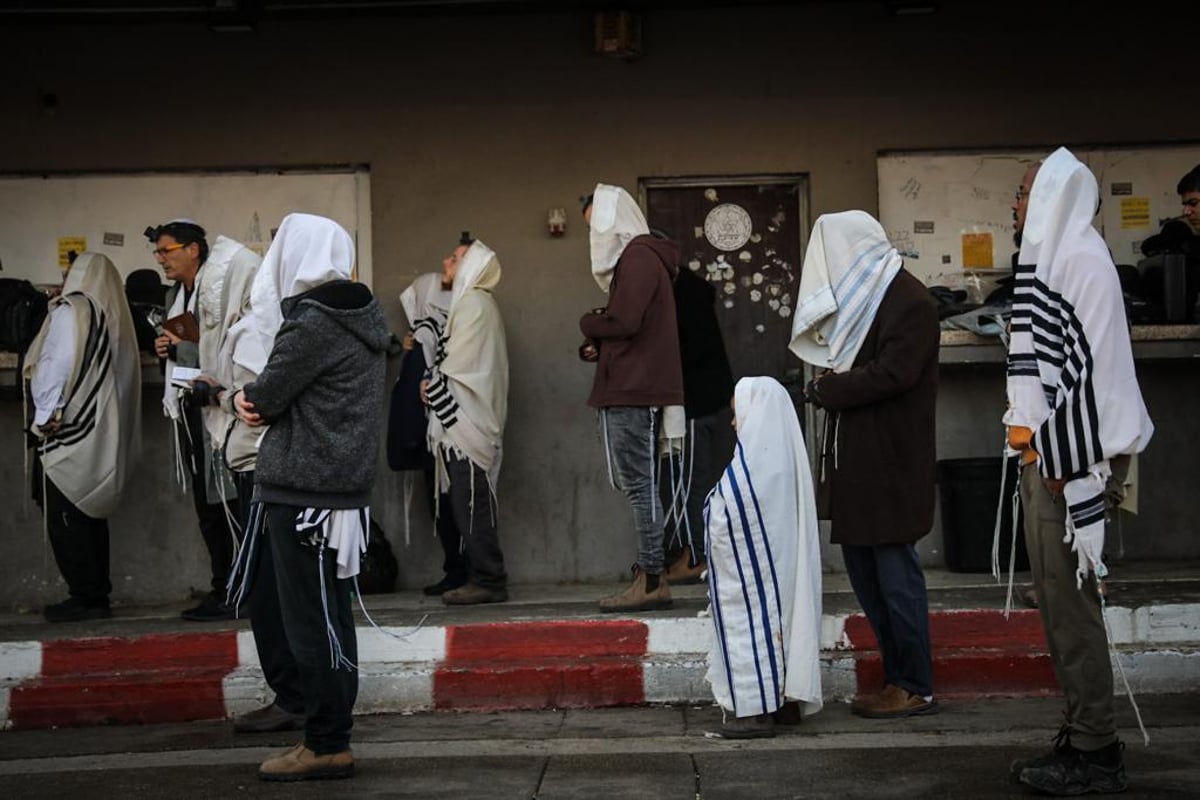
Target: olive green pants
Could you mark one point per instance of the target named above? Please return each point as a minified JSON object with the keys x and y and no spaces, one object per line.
{"x":1071,"y":617}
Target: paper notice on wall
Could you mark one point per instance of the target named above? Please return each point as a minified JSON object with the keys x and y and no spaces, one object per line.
{"x":1135,"y":212}
{"x":114,"y":239}
{"x":68,"y":245}
{"x":977,"y":251}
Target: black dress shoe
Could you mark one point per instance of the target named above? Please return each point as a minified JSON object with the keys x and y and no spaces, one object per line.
{"x":74,"y":610}
{"x":446,"y":584}
{"x":211,"y":608}
{"x":267,"y":720}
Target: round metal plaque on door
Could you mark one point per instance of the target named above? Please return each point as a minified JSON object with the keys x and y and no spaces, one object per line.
{"x":728,"y":227}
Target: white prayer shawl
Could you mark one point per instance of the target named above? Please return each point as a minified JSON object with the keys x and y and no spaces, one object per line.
{"x":222,"y":289}
{"x":171,"y":407}
{"x":848,"y":268}
{"x":764,"y":562}
{"x":92,"y":456}
{"x":468,"y":389}
{"x":1071,"y":376}
{"x":426,"y":305}
{"x":616,"y":220}
{"x":307,"y":251}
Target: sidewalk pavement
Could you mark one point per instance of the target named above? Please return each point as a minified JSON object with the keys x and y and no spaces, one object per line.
{"x":549,"y":647}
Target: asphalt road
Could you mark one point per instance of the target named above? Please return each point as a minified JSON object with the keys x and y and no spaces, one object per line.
{"x":634,"y":753}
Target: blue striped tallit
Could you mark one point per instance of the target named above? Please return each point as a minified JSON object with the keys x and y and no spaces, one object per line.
{"x":764,"y":565}
{"x":848,"y":266}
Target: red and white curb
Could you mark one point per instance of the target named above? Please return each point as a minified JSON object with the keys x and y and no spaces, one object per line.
{"x":548,"y":664}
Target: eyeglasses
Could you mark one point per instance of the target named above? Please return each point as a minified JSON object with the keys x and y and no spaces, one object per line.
{"x":1192,"y":202}
{"x":162,"y":251}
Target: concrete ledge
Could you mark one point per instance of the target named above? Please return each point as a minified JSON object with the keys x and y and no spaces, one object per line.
{"x":580,"y":662}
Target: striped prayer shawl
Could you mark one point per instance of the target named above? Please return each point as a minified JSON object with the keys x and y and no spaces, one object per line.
{"x":744,"y":591}
{"x":1070,"y":372}
{"x":764,"y":562}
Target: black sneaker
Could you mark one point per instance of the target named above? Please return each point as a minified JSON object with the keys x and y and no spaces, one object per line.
{"x":211,"y":609}
{"x":74,"y":610}
{"x":1060,"y":751}
{"x":1099,"y":772}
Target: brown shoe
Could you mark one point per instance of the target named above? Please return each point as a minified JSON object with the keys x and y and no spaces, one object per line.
{"x":761,"y":726}
{"x":470,"y":594}
{"x":864,"y":701}
{"x":636,"y":598}
{"x":894,"y":702}
{"x":682,"y":573}
{"x":302,"y":764}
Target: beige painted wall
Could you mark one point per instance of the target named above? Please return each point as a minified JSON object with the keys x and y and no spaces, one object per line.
{"x":486,"y":122}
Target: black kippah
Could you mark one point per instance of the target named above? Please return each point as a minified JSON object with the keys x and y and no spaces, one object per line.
{"x":466,"y":238}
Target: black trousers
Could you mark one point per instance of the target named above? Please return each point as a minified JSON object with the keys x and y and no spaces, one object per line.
{"x":454,"y":562}
{"x":210,"y":512}
{"x":266,"y":619}
{"x":330,"y":690}
{"x":707,"y":450}
{"x":475,"y":517}
{"x":80,"y":545}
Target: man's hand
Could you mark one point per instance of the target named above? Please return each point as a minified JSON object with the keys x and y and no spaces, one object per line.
{"x":1054,"y":486}
{"x":408,"y":341}
{"x":588,"y":351}
{"x":163,"y":342}
{"x":245,"y":410}
{"x":50,"y":427}
{"x":424,"y":386}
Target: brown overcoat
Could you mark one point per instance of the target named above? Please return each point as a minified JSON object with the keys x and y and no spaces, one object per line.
{"x":882,"y":478}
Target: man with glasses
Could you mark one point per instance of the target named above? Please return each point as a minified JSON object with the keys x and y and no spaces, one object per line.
{"x":200,"y":293}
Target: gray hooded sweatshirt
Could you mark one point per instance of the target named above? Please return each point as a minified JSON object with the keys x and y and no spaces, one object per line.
{"x":322,"y":391}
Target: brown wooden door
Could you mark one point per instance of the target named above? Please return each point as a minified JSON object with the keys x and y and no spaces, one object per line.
{"x":746,"y":237}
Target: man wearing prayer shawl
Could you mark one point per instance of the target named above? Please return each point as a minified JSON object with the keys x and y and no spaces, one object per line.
{"x":467,"y":392}
{"x":85,"y":379}
{"x":873,"y":328}
{"x":764,"y":568}
{"x":426,"y":303}
{"x":638,"y":386}
{"x":317,"y":341}
{"x":1074,"y":405}
{"x":204,"y":280}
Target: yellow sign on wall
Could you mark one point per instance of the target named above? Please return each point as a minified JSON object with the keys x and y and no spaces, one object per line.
{"x":977,"y":251}
{"x":66,"y":244}
{"x":1135,"y":212}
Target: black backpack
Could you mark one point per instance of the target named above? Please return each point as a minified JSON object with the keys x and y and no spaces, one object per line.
{"x":22,"y":310}
{"x":378,"y":569}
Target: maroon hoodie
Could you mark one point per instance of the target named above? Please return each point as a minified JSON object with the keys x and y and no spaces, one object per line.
{"x":636,"y":334}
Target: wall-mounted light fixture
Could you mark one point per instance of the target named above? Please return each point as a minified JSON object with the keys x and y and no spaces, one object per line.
{"x":556,"y":221}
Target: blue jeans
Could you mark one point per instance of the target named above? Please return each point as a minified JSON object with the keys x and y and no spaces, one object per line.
{"x":630,"y":436}
{"x":890,"y":587}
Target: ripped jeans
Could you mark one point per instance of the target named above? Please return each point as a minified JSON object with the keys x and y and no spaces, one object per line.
{"x":629,"y":435}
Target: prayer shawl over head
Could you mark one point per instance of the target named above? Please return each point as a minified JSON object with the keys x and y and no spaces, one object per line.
{"x":764,"y":562}
{"x":847,"y":269}
{"x":92,"y":456}
{"x":1071,"y":378}
{"x":426,"y":305}
{"x":616,"y":221}
{"x":468,"y":390}
{"x":307,"y":251}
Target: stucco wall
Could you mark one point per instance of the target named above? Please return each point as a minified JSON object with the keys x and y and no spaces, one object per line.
{"x":484,"y":123}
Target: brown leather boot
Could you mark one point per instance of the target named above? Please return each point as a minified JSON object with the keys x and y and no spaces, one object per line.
{"x":636,"y":598}
{"x":682,"y":572}
{"x":302,"y":764}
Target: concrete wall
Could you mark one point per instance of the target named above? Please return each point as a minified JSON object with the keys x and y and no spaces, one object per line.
{"x":486,"y":122}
